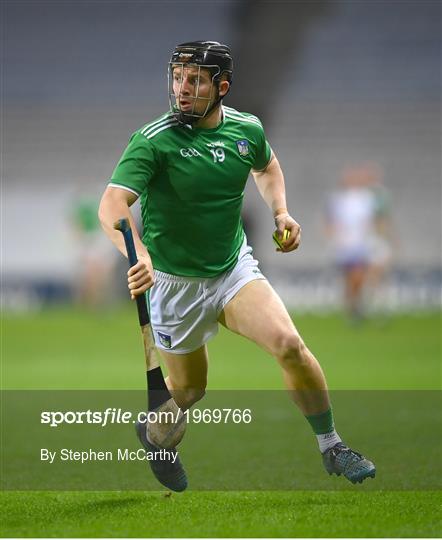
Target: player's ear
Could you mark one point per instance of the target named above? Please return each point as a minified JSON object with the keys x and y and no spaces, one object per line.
{"x":223,"y":88}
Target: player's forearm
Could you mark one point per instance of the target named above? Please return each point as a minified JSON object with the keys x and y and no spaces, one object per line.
{"x":271,"y":186}
{"x":111,"y":209}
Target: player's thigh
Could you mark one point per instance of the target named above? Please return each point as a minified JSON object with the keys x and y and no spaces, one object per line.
{"x":189,"y":370}
{"x":356,"y":275}
{"x":258,"y":313}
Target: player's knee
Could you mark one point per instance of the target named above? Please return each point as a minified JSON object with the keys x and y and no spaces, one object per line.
{"x":291,"y":350}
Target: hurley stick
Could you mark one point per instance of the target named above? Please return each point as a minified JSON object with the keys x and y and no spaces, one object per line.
{"x":167,"y":427}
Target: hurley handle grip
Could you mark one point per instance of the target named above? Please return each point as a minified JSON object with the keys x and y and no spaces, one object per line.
{"x":123,"y":225}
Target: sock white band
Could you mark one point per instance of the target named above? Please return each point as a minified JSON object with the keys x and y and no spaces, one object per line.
{"x":327,"y":440}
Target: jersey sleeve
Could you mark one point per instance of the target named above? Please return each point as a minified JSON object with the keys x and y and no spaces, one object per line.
{"x":263,"y":150}
{"x":137,"y":165}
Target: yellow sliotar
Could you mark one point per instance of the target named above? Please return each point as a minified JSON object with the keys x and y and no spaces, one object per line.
{"x":278,"y":241}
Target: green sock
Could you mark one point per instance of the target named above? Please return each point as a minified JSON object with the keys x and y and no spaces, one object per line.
{"x":321,"y":423}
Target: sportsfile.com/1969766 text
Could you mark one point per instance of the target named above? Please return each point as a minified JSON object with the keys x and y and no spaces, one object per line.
{"x":113,"y":415}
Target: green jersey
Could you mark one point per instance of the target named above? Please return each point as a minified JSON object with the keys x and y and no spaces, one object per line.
{"x":191,"y":182}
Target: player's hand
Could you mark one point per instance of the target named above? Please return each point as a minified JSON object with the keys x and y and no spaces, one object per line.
{"x":286,"y":222}
{"x":140,"y":277}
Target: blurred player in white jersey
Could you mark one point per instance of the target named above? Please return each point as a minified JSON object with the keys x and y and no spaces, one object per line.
{"x":354,"y":228}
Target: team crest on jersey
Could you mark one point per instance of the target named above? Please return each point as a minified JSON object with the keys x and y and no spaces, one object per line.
{"x":243,"y":147}
{"x":165,"y":340}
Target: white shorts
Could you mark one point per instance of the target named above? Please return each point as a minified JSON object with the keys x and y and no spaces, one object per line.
{"x":184,"y":311}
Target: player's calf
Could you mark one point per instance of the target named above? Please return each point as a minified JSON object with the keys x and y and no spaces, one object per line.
{"x":187,"y":397}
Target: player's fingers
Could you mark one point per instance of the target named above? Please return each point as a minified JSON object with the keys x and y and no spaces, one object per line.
{"x":295,"y":235}
{"x":135,"y":268}
{"x":287,"y":244}
{"x":280,"y":223}
{"x":143,"y":273}
{"x":280,"y":229}
{"x":143,"y":280}
{"x":134,"y":292}
{"x":142,"y":287}
{"x":298,"y":240}
{"x":293,"y":242}
{"x":294,"y":227}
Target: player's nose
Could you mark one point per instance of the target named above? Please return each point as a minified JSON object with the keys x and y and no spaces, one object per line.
{"x":186,"y":87}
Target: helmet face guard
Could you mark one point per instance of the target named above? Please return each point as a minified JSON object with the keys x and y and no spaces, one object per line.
{"x":199,"y":55}
{"x":175,"y":95}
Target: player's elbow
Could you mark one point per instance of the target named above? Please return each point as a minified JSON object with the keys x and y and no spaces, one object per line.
{"x":108,"y":212}
{"x":103,"y":210}
{"x":114,"y":204}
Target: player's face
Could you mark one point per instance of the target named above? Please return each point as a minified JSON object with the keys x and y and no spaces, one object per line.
{"x":193,"y":89}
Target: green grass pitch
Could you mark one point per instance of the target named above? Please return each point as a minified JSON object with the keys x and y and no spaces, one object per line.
{"x":69,"y":349}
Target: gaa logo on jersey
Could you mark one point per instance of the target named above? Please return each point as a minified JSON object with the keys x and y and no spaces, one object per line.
{"x":243,"y":147}
{"x":190,"y":152}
